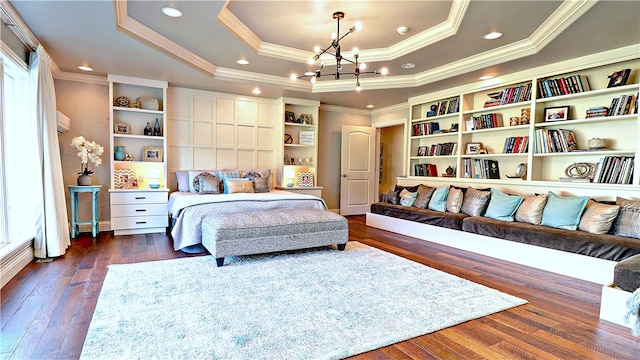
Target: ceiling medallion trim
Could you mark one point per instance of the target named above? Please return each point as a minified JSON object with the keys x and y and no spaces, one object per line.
{"x":130,"y":26}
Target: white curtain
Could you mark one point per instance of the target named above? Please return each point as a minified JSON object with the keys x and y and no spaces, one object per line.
{"x":52,"y":236}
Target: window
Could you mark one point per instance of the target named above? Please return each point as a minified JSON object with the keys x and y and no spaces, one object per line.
{"x":19,"y":192}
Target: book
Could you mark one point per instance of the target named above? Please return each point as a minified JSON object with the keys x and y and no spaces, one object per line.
{"x":493,"y":170}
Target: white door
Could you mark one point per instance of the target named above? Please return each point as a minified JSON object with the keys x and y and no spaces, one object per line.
{"x":357,"y":167}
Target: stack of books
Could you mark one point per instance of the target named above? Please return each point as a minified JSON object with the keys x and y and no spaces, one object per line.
{"x":624,"y":105}
{"x":486,"y":121}
{"x":448,"y":148}
{"x":614,"y":170}
{"x":516,"y":145}
{"x":563,"y":86}
{"x":481,"y":169}
{"x":552,"y":141}
{"x":444,"y":107}
{"x":425,"y":170}
{"x":425,"y":128}
{"x":597,"y":111}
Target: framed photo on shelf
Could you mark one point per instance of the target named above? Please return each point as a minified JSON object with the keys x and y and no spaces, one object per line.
{"x":473,"y":148}
{"x":453,"y":128}
{"x":289,"y":116}
{"x":152,"y":153}
{"x":556,"y":113}
{"x":619,"y":78}
{"x":422,"y":151}
{"x":307,"y":138}
{"x":121,"y":128}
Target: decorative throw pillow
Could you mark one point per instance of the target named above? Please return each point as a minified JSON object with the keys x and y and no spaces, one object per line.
{"x":237,"y":185}
{"x":424,"y":195}
{"x":192,"y":175}
{"x":598,"y":217}
{"x":563,"y":212}
{"x":475,"y":202}
{"x":206,"y":183}
{"x":502,"y":206}
{"x":530,"y":211}
{"x":393,"y":197}
{"x":454,"y":200}
{"x":182,"y":177}
{"x":627,"y":222}
{"x":222,"y":174}
{"x":407,"y":197}
{"x":260,"y":180}
{"x":438,"y":200}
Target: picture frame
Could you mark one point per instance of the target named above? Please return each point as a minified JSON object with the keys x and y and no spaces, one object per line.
{"x":289,"y":116}
{"x":473,"y":148}
{"x":130,"y":183}
{"x":307,"y":138}
{"x":121,"y":128}
{"x":556,"y":113}
{"x":619,"y":78}
{"x":152,"y":153}
{"x":453,"y":128}
{"x":422,"y":151}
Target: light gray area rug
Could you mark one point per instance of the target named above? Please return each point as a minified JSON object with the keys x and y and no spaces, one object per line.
{"x":315,"y":304}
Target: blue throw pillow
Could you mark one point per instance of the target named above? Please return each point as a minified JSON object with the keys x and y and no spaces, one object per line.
{"x":502,"y":206}
{"x":438,"y":200}
{"x":407,"y":198}
{"x":563,"y":212}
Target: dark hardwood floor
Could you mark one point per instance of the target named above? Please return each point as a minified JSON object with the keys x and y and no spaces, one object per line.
{"x":46,"y":309}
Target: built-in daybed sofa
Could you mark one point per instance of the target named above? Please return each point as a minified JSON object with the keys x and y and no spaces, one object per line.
{"x":573,"y":236}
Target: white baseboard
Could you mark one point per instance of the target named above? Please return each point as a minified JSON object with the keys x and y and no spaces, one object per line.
{"x":599,"y":271}
{"x":613,"y":305}
{"x":12,"y":263}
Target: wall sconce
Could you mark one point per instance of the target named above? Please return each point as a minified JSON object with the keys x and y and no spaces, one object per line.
{"x":290,"y":175}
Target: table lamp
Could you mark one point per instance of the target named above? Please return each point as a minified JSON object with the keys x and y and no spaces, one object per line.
{"x":290,"y":176}
{"x":154,"y":176}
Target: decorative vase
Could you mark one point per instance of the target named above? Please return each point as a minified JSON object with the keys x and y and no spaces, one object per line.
{"x":84,"y":180}
{"x":119,"y":153}
{"x":147,"y":129}
{"x":156,"y":129}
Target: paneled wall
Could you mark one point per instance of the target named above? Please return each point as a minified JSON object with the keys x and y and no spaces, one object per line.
{"x":209,"y":130}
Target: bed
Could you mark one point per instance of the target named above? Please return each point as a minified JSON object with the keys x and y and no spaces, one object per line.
{"x":188,"y":209}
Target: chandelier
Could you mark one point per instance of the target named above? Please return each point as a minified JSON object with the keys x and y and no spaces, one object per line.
{"x":334,"y":50}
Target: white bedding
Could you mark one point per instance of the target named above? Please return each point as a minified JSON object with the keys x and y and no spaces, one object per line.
{"x":188,"y":209}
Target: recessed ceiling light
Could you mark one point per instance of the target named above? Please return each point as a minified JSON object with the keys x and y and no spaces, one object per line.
{"x":486,"y":77}
{"x":85,"y":68}
{"x":408,"y":66}
{"x":256,"y":91}
{"x":370,"y":106}
{"x":492,"y":35}
{"x":402,"y":30}
{"x":172,"y":12}
{"x":243,"y":62}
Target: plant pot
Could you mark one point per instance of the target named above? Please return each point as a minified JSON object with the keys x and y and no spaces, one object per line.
{"x":84,"y":180}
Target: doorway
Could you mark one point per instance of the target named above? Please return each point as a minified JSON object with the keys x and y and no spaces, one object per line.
{"x":392,"y":163}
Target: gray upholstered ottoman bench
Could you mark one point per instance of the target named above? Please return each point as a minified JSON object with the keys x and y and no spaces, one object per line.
{"x":246,"y":233}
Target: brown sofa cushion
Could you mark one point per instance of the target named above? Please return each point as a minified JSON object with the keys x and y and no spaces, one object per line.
{"x":603,"y":246}
{"x":424,"y":216}
{"x":626,"y":274}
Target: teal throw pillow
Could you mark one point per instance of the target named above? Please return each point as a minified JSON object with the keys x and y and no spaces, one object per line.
{"x":438,"y":200}
{"x":563,"y":212}
{"x":502,"y":206}
{"x":407,"y":198}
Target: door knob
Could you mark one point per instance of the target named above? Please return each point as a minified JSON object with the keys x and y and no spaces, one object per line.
{"x":344,"y":175}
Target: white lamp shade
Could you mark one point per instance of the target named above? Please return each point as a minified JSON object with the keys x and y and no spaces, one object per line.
{"x":290,"y":174}
{"x":154,"y":174}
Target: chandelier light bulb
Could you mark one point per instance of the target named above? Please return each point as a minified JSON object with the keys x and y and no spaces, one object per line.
{"x":334,"y":36}
{"x":293,"y":77}
{"x":384,"y":71}
{"x":317,"y":49}
{"x":311,"y":60}
{"x":363,"y":66}
{"x":358,"y":26}
{"x":355,"y":51}
{"x":358,"y":88}
{"x":313,"y":80}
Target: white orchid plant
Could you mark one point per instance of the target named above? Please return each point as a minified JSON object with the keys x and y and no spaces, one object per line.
{"x":87,"y":151}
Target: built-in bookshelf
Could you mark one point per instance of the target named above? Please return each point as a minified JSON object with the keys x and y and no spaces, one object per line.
{"x":547,"y":119}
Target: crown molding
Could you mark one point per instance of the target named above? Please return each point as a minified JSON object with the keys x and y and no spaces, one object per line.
{"x":391,"y":108}
{"x":345,"y":110}
{"x":230,"y":22}
{"x":21,"y":26}
{"x":134,"y":28}
{"x":69,"y":76}
{"x":257,"y":78}
{"x":560,"y":20}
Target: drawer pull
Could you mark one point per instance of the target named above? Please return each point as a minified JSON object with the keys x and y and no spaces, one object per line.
{"x":141,"y":209}
{"x":140,"y":197}
{"x":141,"y":222}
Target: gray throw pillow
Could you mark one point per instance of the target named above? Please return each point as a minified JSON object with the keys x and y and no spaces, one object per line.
{"x":627,"y":222}
{"x":206,"y":183}
{"x":454,"y":200}
{"x":424,"y":195}
{"x":475,"y":202}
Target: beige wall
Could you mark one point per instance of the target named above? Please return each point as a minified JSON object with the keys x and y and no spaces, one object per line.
{"x":392,"y":139}
{"x":329,"y":147}
{"x":88,"y":108}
